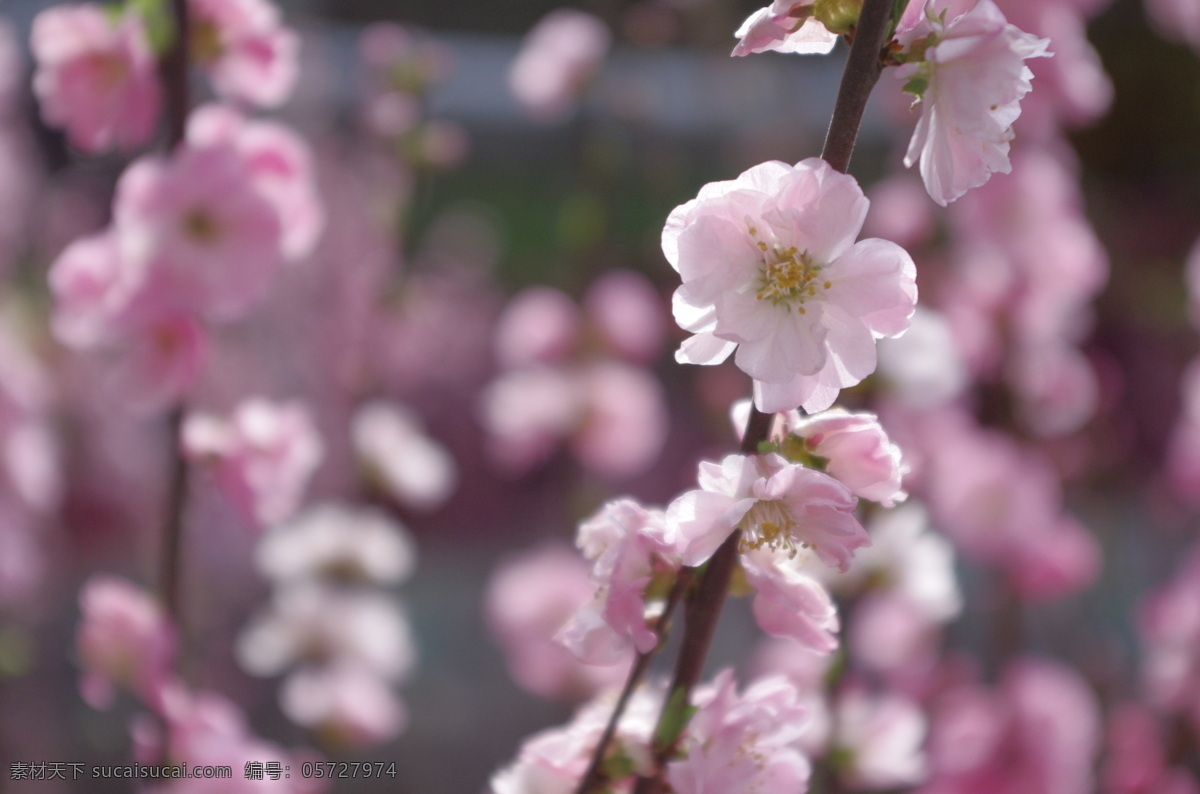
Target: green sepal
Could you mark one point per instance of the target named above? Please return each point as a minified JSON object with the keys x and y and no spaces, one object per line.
{"x":838,"y":16}
{"x":160,"y":25}
{"x":916,"y":85}
{"x":767,"y":447}
{"x":675,"y":718}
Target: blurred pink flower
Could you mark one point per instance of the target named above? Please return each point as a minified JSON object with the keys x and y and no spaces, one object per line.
{"x":312,"y":623}
{"x":1176,"y":19}
{"x":777,"y":505}
{"x":197,"y":233}
{"x":742,"y":743}
{"x":347,"y":704}
{"x":204,"y":728}
{"x":1037,"y":733}
{"x":540,"y":325}
{"x":1168,"y":624}
{"x":970,"y":79}
{"x":280,"y":163}
{"x":882,"y":737}
{"x":923,"y":368}
{"x":399,"y":457}
{"x":249,"y":56}
{"x":784,"y":26}
{"x":338,"y":542}
{"x":530,"y":598}
{"x":769,"y":266}
{"x":557,"y":59}
{"x":626,"y":311}
{"x":612,"y":415}
{"x":1135,"y":759}
{"x":96,"y":76}
{"x":124,"y":638}
{"x":263,"y":455}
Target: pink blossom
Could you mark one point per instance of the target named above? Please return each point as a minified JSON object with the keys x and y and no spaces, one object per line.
{"x":341,"y":542}
{"x":197,"y":232}
{"x":96,"y":77}
{"x":530,"y":598}
{"x":784,"y":26}
{"x":124,"y":638}
{"x":311,"y":623}
{"x":777,"y":505}
{"x":248,"y":54}
{"x":1176,"y":19}
{"x":627,"y":312}
{"x":970,"y":82}
{"x":1135,"y":761}
{"x":205,"y":728}
{"x":882,"y":737}
{"x":923,"y":368}
{"x":633,"y":558}
{"x":399,"y":457}
{"x":1002,"y":504}
{"x":613,"y":416}
{"x":769,"y":266}
{"x":1056,"y":387}
{"x":160,"y":364}
{"x":346,"y":703}
{"x":281,"y":166}
{"x":742,"y":744}
{"x":790,"y":603}
{"x":624,"y":421}
{"x":262,"y":455}
{"x":540,"y":325}
{"x":1038,"y":733}
{"x":858,"y":452}
{"x":553,"y":761}
{"x":852,"y":448}
{"x":1169,"y":629}
{"x":556,"y":60}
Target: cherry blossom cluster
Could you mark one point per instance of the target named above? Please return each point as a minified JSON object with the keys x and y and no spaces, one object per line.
{"x":577,"y":374}
{"x":963,"y":61}
{"x":748,"y":741}
{"x":341,"y":638}
{"x":402,"y":67}
{"x":197,"y":237}
{"x":126,"y":641}
{"x":97,"y":70}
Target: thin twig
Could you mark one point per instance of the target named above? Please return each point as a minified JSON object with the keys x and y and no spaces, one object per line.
{"x":594,"y":777}
{"x":173,"y":72}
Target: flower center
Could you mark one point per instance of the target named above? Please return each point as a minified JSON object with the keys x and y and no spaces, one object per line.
{"x":201,"y":226}
{"x":769,"y":524}
{"x":788,"y":276}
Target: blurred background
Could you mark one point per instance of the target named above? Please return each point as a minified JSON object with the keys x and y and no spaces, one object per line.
{"x":451,"y":189}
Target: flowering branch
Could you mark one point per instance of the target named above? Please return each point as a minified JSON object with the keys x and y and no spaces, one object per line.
{"x":703,"y":608}
{"x":594,"y":776}
{"x":863,"y":66}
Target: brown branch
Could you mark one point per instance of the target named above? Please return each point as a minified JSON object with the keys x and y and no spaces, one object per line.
{"x":173,"y":73}
{"x":863,"y":66}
